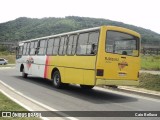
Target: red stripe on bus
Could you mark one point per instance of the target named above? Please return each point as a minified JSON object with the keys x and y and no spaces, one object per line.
{"x":46,"y":70}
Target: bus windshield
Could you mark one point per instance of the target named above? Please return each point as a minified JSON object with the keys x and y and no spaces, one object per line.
{"x":122,"y":43}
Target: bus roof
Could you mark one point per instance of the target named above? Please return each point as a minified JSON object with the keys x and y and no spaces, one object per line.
{"x":78,"y":31}
{"x":62,"y":34}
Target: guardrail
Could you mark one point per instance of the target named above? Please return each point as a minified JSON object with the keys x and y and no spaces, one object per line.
{"x":151,"y":51}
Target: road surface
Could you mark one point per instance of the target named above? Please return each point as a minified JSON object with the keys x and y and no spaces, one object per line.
{"x":73,"y":98}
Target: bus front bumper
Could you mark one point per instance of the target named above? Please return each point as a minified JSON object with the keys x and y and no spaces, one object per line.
{"x":117,"y":82}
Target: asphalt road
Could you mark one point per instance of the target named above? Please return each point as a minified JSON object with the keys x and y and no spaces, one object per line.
{"x":73,"y":98}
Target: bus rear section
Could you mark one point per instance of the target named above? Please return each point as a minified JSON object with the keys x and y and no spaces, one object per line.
{"x":118,"y":59}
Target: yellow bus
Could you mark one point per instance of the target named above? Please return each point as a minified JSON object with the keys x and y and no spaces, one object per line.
{"x":105,"y":55}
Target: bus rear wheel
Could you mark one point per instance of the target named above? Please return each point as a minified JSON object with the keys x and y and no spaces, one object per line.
{"x":87,"y":86}
{"x":56,"y":79}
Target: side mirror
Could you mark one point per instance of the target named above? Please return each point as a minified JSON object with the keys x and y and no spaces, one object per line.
{"x":17,"y":48}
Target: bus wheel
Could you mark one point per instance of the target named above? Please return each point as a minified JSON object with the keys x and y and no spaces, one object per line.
{"x":24,"y":75}
{"x":87,"y":86}
{"x":56,"y":79}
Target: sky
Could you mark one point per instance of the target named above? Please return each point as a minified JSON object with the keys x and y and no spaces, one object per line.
{"x":142,"y":13}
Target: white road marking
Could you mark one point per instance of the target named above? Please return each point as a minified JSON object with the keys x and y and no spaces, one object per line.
{"x":34,"y":101}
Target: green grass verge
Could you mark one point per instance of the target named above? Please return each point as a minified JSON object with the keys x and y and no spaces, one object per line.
{"x":11,"y":58}
{"x":149,"y":81}
{"x":150,"y":62}
{"x":8,"y":105}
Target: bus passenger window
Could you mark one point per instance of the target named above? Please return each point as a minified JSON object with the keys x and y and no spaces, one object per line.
{"x":74,"y":44}
{"x":50,"y":46}
{"x":24,"y":49}
{"x":32,"y":49}
{"x":92,"y":43}
{"x":82,"y":43}
{"x":63,"y":44}
{"x":87,"y":43}
{"x":56,"y":46}
{"x":40,"y":49}
{"x":28,"y":48}
{"x":71,"y":48}
{"x":19,"y":52}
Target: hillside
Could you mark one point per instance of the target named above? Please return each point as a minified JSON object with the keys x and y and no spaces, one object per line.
{"x":25,"y":28}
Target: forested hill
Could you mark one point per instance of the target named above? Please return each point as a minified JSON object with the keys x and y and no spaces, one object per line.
{"x":25,"y":28}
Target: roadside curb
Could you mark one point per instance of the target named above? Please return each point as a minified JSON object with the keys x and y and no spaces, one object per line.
{"x":5,"y":68}
{"x":150,"y":72}
{"x":138,"y":91}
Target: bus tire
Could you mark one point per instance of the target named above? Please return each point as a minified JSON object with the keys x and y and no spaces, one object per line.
{"x":56,"y":79}
{"x":24,"y":75}
{"x":87,"y":86}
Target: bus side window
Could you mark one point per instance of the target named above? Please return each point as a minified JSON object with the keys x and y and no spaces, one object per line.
{"x":45,"y":47}
{"x":74,"y":44}
{"x":41,"y":47}
{"x":50,"y":46}
{"x":32,"y":49}
{"x":56,"y":46}
{"x":24,"y":49}
{"x":19,"y":52}
{"x":28,"y":48}
{"x":82,"y":44}
{"x":36,"y":47}
{"x":72,"y":41}
{"x":63,"y":44}
{"x":92,"y":43}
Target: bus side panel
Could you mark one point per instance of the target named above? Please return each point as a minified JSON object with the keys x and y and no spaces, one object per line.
{"x":73,"y":69}
{"x":79,"y":69}
{"x":73,"y":75}
{"x":51,"y":62}
{"x":89,"y":77}
{"x":38,"y":66}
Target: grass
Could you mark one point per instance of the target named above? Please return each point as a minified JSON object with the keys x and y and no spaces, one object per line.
{"x":8,"y":105}
{"x":149,"y":81}
{"x":10,"y":57}
{"x":150,"y":62}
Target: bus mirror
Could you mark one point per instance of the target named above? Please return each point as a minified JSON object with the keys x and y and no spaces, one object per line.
{"x":17,"y":48}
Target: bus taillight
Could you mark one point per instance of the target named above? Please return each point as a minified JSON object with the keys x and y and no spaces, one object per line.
{"x":100,"y":72}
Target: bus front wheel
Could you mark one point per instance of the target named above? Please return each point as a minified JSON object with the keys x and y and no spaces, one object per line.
{"x":24,"y":75}
{"x":56,"y":79}
{"x":87,"y":86}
